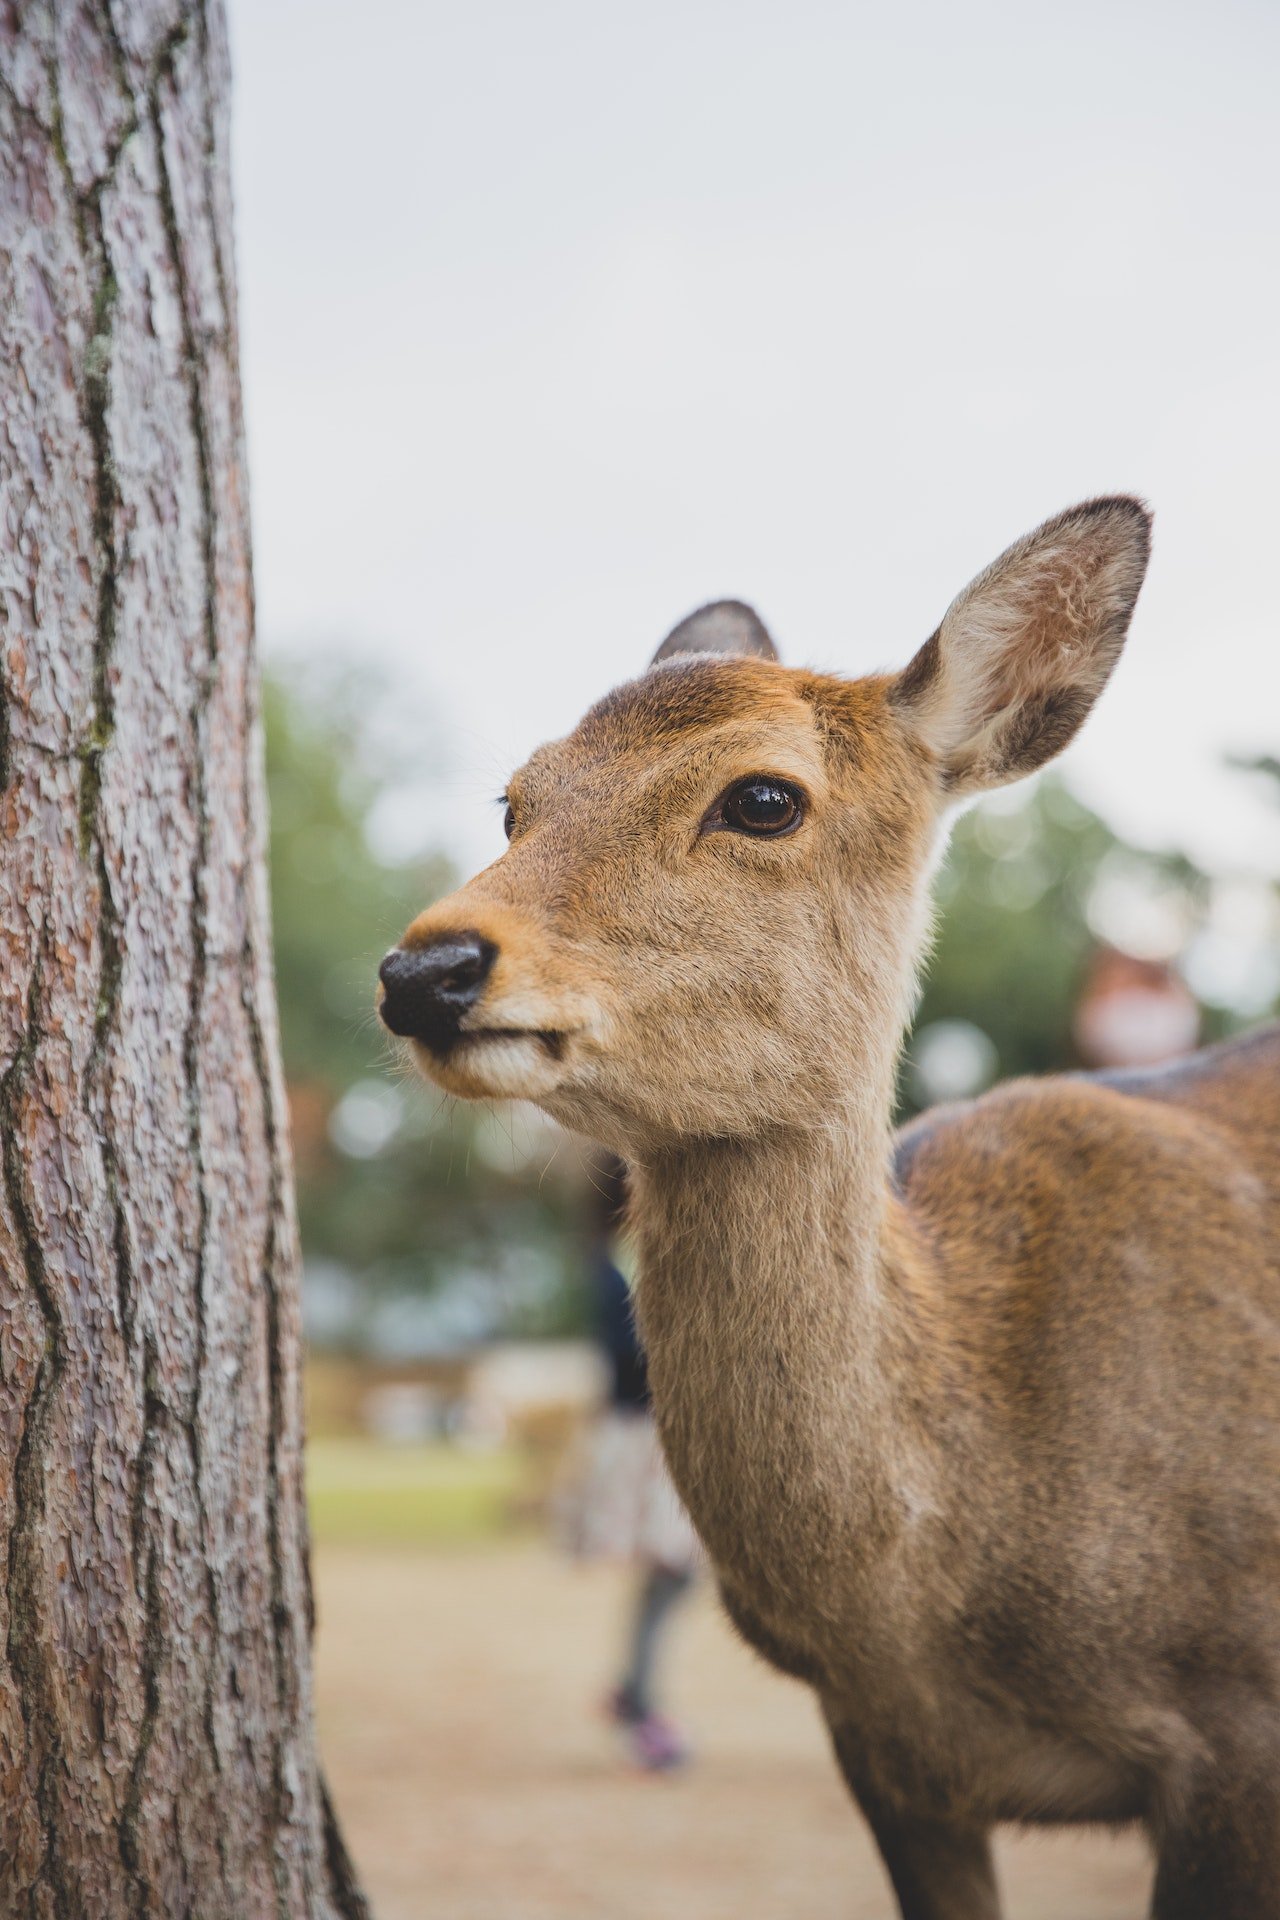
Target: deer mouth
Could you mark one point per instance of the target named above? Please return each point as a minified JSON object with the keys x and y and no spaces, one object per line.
{"x":497,"y":1063}
{"x":552,"y":1039}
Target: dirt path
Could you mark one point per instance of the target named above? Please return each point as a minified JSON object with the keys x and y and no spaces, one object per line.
{"x":475,"y":1783}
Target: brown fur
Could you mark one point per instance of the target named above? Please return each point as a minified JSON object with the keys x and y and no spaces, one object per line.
{"x":987,"y":1452}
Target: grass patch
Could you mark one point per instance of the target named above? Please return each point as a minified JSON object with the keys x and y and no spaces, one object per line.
{"x":369,"y":1493}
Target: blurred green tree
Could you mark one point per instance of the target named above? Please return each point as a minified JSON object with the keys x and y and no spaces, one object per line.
{"x":337,"y":904}
{"x":1266,"y":764}
{"x":1016,"y":926}
{"x":399,"y":1188}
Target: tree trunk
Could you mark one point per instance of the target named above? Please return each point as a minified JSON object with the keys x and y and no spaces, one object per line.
{"x":156,"y":1743}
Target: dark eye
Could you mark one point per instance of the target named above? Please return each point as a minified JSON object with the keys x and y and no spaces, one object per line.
{"x":509,"y":821}
{"x":761,"y":805}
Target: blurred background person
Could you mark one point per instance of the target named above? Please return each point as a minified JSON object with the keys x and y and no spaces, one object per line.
{"x":623,"y":1505}
{"x":1133,"y":1012}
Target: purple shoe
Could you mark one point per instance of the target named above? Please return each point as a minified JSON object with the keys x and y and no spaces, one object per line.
{"x":656,"y":1745}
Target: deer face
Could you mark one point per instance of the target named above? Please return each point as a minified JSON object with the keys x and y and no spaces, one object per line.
{"x":696,"y":882}
{"x":710,"y":908}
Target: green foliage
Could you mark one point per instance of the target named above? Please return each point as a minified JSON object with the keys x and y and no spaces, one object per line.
{"x":337,"y":907}
{"x":413,"y":1201}
{"x":1268,"y":766}
{"x":1014,"y":934}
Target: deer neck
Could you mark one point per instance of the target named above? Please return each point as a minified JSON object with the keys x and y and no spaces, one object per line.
{"x":781,"y":1319}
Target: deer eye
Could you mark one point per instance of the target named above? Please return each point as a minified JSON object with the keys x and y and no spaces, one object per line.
{"x":762,"y":805}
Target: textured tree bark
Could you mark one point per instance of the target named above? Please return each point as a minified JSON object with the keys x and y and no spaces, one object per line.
{"x":156,"y":1742}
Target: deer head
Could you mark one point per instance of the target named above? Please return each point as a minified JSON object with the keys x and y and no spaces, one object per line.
{"x":709,"y":914}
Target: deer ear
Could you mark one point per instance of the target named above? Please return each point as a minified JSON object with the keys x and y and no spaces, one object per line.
{"x":1025,"y":650}
{"x":725,"y":626}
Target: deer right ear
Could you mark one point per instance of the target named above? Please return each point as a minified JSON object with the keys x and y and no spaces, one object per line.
{"x":725,"y":626}
{"x":1025,"y":650}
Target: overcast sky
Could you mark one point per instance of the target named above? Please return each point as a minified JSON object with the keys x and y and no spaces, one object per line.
{"x":561,"y":318}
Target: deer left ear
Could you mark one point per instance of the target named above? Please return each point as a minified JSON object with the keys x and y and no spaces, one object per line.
{"x":725,"y":626}
{"x":1025,"y":650}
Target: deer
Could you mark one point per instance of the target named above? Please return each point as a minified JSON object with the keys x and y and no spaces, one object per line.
{"x":978,"y":1423}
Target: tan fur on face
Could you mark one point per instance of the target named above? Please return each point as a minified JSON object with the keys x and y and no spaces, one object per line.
{"x":981,"y":1427}
{"x":622,"y":928}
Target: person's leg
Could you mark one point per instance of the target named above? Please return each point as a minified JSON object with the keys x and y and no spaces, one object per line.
{"x":661,"y":1588}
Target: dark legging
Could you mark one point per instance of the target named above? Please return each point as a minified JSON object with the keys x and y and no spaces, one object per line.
{"x":660,"y":1590}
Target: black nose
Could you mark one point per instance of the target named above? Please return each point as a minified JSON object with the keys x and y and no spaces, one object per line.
{"x":428,"y":989}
